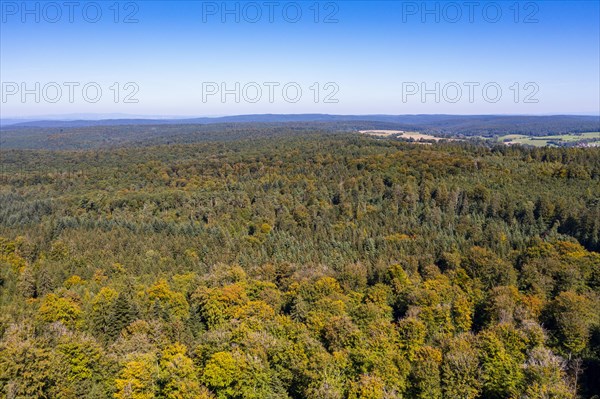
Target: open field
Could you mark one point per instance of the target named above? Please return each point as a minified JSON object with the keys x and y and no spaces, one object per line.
{"x":402,"y":134}
{"x":556,"y":140}
{"x":542,"y":141}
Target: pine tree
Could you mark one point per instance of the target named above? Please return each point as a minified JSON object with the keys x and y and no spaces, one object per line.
{"x":123,"y":313}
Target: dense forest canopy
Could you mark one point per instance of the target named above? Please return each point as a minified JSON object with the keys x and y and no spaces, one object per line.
{"x":305,"y":264}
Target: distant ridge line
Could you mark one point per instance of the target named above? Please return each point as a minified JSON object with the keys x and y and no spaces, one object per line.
{"x":410,"y":119}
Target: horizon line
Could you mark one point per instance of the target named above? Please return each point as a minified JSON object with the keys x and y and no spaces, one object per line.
{"x":118,"y":116}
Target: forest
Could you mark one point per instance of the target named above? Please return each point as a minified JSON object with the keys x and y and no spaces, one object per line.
{"x":309,"y":264}
{"x":94,"y":134}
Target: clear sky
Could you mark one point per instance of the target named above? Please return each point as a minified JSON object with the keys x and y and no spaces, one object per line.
{"x":345,"y":57}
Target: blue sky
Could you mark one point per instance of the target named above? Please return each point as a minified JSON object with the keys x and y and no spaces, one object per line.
{"x":349,"y":57}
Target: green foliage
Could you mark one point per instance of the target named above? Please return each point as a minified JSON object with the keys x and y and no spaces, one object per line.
{"x":120,"y":315}
{"x":425,"y":375}
{"x":25,"y":367}
{"x":101,"y":312}
{"x":220,"y":374}
{"x":311,"y":266}
{"x":501,"y":372}
{"x":573,"y":316}
{"x":63,"y":309}
{"x":138,"y":378}
{"x":178,"y":375}
{"x":460,"y":369}
{"x":78,"y":366}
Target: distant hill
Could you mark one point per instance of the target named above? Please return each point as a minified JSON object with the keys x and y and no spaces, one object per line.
{"x":440,"y":121}
{"x":256,"y":118}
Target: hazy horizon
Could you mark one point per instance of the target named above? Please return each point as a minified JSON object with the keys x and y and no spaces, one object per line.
{"x":73,"y":117}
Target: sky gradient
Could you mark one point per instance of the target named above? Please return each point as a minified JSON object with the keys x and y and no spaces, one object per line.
{"x":350,"y":57}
